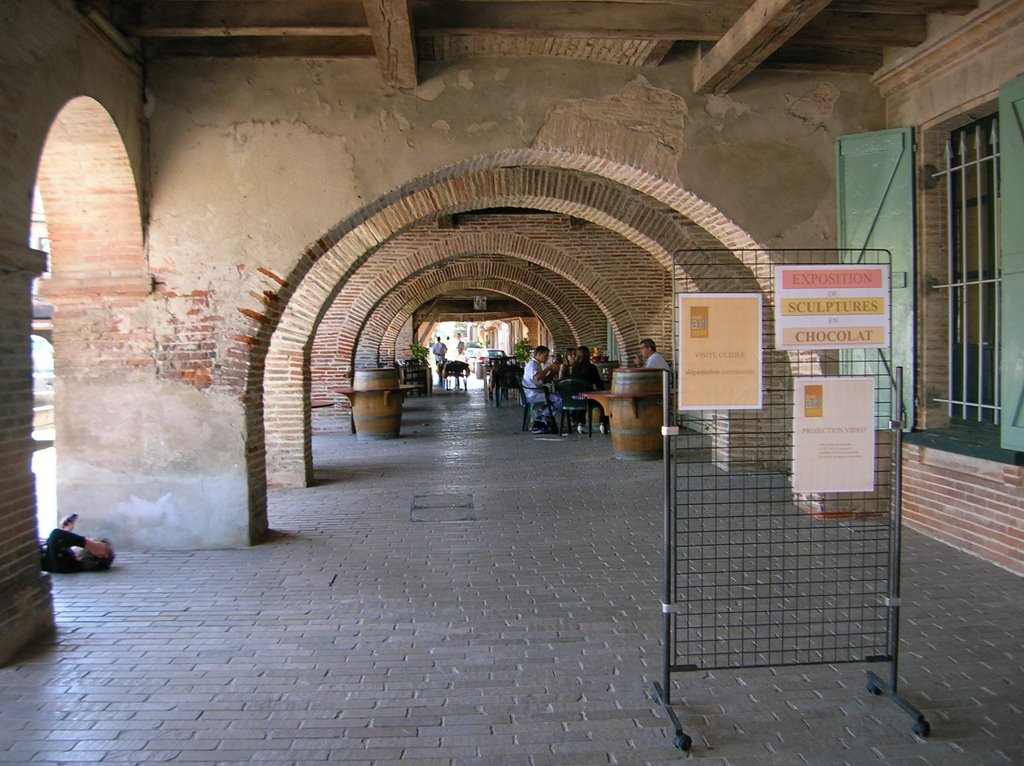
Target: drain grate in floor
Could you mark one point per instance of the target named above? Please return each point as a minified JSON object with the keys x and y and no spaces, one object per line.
{"x":440,"y":508}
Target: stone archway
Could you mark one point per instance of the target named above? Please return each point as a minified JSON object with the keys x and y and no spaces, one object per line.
{"x":613,"y":197}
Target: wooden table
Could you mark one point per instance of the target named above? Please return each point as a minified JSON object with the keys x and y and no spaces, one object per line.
{"x":376,"y":412}
{"x":635,"y":420}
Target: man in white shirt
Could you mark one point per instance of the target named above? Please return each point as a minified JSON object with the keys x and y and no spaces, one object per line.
{"x":536,"y":374}
{"x":440,"y":351}
{"x":650,"y":358}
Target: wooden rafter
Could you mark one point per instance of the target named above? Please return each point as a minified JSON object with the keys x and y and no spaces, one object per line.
{"x":394,"y":40}
{"x":763,"y":29}
{"x":732,"y":37}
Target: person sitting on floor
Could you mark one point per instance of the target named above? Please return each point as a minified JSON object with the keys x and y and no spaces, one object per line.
{"x":66,"y":551}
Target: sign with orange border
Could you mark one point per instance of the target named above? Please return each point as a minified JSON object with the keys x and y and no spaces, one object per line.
{"x":720,"y":351}
{"x":830,"y":307}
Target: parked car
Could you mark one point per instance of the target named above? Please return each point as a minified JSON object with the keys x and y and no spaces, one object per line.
{"x":472,"y":354}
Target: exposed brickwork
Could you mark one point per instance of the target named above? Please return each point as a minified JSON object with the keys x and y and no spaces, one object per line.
{"x":25,"y":609}
{"x":557,"y":182}
{"x":933,"y":262}
{"x":972,"y":504}
{"x":98,"y":269}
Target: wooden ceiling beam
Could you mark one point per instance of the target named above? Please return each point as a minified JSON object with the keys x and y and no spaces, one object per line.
{"x":815,"y":58}
{"x":911,"y":7}
{"x":249,"y":31}
{"x":764,"y":28}
{"x":394,"y":40}
{"x":605,"y":20}
{"x":225,"y":18}
{"x":954,"y":7}
{"x":261,"y":47}
{"x":864,"y":29}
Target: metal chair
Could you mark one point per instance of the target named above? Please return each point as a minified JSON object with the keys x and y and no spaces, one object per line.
{"x":569,"y":389}
{"x":530,"y":408}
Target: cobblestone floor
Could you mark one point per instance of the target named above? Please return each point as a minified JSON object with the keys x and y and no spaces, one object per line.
{"x":472,"y":594}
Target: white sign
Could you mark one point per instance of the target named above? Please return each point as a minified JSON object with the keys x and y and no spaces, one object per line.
{"x":834,"y":435}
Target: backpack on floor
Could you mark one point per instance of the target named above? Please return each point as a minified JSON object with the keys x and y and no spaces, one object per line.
{"x":544,"y":424}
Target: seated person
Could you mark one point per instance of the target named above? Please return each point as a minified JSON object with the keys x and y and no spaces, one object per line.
{"x":649,"y":356}
{"x":587,"y":370}
{"x":536,"y":375}
{"x":567,"y":364}
{"x":67,"y":551}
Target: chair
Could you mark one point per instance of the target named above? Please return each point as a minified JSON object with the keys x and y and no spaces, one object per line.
{"x":457,"y":370}
{"x":414,"y":374}
{"x":569,"y":389}
{"x":529,"y":408}
{"x":506,"y":377}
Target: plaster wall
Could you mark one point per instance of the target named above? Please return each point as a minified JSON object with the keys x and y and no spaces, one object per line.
{"x":172,"y":474}
{"x":254,"y":160}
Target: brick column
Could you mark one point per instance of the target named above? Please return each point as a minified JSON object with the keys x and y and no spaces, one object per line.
{"x":26,"y":609}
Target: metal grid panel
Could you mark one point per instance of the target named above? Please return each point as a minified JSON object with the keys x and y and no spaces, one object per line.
{"x":763,"y":576}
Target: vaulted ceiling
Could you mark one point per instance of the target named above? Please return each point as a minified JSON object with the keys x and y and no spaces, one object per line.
{"x":728,"y":39}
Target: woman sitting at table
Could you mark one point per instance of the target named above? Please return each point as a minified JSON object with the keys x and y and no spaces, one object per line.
{"x":587,"y":370}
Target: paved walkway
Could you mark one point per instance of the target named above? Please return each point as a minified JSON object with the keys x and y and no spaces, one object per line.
{"x":470,"y":594}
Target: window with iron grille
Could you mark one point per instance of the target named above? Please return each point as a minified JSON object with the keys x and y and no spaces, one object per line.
{"x":972,"y":283}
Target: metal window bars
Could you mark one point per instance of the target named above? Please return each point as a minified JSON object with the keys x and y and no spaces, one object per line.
{"x":973,"y":279}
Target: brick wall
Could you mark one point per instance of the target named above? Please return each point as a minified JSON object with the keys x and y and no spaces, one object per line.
{"x":493,"y":252}
{"x":972,"y":504}
{"x":25,"y":608}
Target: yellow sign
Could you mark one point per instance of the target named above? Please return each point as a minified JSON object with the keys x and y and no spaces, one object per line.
{"x":720,"y":351}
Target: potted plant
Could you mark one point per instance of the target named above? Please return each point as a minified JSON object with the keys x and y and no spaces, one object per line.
{"x":419,"y":353}
{"x":522,"y":350}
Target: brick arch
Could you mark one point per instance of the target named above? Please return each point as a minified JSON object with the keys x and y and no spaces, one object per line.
{"x":576,"y":310}
{"x":363,"y":295}
{"x":100,"y":289}
{"x":380,"y":330}
{"x":90,"y":200}
{"x":361,"y":340}
{"x":98,"y":260}
{"x":556,"y":303}
{"x":617,"y":196}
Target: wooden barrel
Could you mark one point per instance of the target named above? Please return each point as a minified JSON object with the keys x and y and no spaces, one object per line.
{"x":636,"y":380}
{"x":377,"y":415}
{"x":636,"y":423}
{"x":636,"y":428}
{"x":375,"y":377}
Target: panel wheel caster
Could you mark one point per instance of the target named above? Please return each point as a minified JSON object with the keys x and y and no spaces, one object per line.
{"x":922,"y":728}
{"x":872,"y":689}
{"x":683,"y":742}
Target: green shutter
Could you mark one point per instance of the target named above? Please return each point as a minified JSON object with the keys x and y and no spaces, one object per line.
{"x":875,"y":198}
{"x":1011,"y":176}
